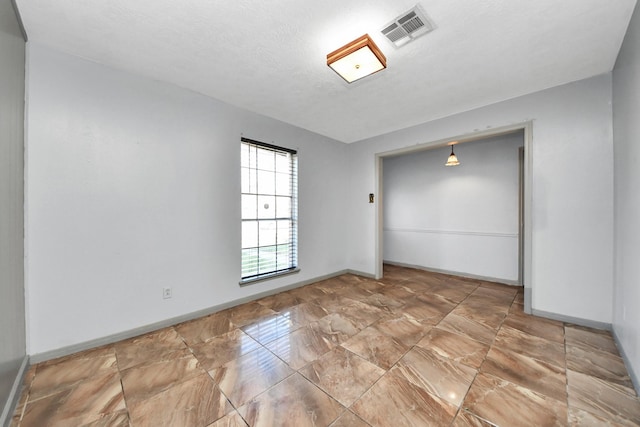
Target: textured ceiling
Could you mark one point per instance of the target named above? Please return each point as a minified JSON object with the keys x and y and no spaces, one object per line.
{"x":270,"y":56}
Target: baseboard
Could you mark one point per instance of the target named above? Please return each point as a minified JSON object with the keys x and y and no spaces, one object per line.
{"x":627,"y":362}
{"x":14,"y":395}
{"x":361,"y":273}
{"x":110,"y":339}
{"x":570,"y":319}
{"x":455,"y":273}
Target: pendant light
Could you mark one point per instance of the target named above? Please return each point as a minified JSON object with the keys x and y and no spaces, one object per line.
{"x":453,"y":159}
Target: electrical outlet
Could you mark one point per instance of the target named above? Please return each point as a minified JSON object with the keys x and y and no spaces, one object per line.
{"x":166,"y":293}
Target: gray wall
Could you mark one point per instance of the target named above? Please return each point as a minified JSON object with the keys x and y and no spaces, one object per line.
{"x":626,"y":131}
{"x":12,"y":328}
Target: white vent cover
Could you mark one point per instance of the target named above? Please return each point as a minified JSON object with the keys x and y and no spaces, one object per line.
{"x":407,"y":27}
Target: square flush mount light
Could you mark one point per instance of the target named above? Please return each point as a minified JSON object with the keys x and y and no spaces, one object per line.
{"x":357,"y":59}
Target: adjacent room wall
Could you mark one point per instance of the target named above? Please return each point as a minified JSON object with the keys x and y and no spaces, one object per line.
{"x":12,"y":305}
{"x":572,"y":194}
{"x":461,"y":219}
{"x":626,"y":131}
{"x":134,"y":185}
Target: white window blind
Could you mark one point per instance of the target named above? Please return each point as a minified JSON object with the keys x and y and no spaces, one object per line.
{"x":269,"y":209}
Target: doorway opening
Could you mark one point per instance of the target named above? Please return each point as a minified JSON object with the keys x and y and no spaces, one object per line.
{"x":521,"y":209}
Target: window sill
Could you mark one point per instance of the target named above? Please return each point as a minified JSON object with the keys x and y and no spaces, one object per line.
{"x":251,"y":281}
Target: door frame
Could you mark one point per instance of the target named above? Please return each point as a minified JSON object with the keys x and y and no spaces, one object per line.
{"x":525,"y":242}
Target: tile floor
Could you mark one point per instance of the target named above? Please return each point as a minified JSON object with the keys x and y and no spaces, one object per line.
{"x":413,"y":349}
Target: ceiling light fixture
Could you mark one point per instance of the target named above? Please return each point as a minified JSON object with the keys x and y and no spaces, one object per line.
{"x":453,"y":159}
{"x":357,"y":59}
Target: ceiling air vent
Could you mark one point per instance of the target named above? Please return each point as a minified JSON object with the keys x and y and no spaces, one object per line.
{"x":407,"y":27}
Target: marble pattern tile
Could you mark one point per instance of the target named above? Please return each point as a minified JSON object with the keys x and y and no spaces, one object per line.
{"x":156,"y":346}
{"x":548,"y":329}
{"x":305,"y":313}
{"x":468,"y":327}
{"x":270,"y":328}
{"x":441,"y":377}
{"x":62,"y":374}
{"x":404,"y":329}
{"x":396,"y":401}
{"x":589,"y":338}
{"x":191,"y":403}
{"x":203,"y":329}
{"x":600,"y":364}
{"x":85,"y":402}
{"x":602,"y":398}
{"x":349,"y":419}
{"x":143,"y":381}
{"x":302,"y":346}
{"x":342,"y":374}
{"x":377,"y":347}
{"x":538,"y":348}
{"x":456,"y":347}
{"x":244,"y":378}
{"x":539,"y":376}
{"x":503,"y":403}
{"x":221,"y":349}
{"x":467,"y":419}
{"x":232,"y":419}
{"x":393,"y":349}
{"x":248,"y":313}
{"x":294,"y":402}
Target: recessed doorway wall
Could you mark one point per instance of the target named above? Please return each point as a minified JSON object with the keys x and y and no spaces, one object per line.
{"x":459,"y":234}
{"x":462,"y":219}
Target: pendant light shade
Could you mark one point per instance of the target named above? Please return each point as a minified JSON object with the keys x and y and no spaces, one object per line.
{"x":453,"y":159}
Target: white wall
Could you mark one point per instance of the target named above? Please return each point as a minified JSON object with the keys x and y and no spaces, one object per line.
{"x":460,"y":219}
{"x":626,"y":127}
{"x":572,"y":194}
{"x":12,"y":306}
{"x":134,"y":185}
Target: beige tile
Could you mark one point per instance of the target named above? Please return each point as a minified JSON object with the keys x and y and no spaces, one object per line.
{"x":333,"y":303}
{"x":244,"y":378}
{"x":342,"y":374}
{"x":467,"y":419}
{"x":486,"y":315}
{"x":456,"y":347}
{"x":301,"y":347}
{"x":361,"y":314}
{"x":602,"y":398}
{"x":376,"y":347}
{"x":589,"y":338}
{"x":503,"y":403}
{"x":338,"y":327}
{"x":349,"y":419}
{"x":539,"y":376}
{"x":203,"y":329}
{"x":404,"y":329}
{"x":196,"y":402}
{"x":305,"y":313}
{"x":270,"y":328}
{"x":600,"y":364}
{"x":248,"y":313}
{"x":397,"y":402}
{"x":223,"y":348}
{"x":538,"y":348}
{"x":84,"y":402}
{"x":232,"y":419}
{"x":293,"y":402}
{"x":62,"y":374}
{"x":551,"y":330}
{"x":281,"y":301}
{"x":149,"y":348}
{"x":580,"y":418}
{"x":441,"y":377}
{"x":143,"y":381}
{"x":468,"y":327}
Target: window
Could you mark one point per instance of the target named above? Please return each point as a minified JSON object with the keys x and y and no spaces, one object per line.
{"x":269,"y":210}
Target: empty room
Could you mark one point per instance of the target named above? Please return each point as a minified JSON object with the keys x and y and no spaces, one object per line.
{"x":408,"y":213}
